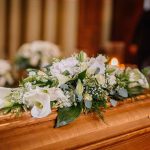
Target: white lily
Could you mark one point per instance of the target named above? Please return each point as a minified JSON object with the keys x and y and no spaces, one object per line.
{"x":39,"y":101}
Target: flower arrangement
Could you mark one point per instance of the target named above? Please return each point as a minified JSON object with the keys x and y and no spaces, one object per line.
{"x":73,"y":85}
{"x":6,"y":77}
{"x":36,"y":54}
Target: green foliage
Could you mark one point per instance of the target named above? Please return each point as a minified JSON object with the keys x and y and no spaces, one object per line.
{"x":40,"y":81}
{"x":96,"y":108}
{"x":68,"y":114}
{"x":122,"y":80}
{"x":15,"y":108}
{"x":135,"y":91}
{"x":146,"y":72}
{"x":83,"y":91}
{"x":81,"y":75}
{"x":81,"y":56}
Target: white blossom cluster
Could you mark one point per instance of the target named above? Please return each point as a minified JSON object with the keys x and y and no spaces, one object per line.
{"x":38,"y":53}
{"x":100,"y":81}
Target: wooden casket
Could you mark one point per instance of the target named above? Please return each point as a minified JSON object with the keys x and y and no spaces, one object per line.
{"x":126,"y":127}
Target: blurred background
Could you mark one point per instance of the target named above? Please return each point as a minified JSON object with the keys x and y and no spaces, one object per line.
{"x":118,"y":28}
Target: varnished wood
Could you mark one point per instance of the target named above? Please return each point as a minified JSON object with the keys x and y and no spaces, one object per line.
{"x":89,"y":25}
{"x":126,"y":125}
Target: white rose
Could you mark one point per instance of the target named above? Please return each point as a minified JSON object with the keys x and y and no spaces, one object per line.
{"x":56,"y":94}
{"x":4,"y":92}
{"x":97,"y":63}
{"x":46,"y":49}
{"x":101,"y":59}
{"x":68,"y":64}
{"x":39,"y":101}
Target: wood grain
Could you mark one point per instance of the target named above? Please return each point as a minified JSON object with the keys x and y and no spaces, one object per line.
{"x":127,"y":126}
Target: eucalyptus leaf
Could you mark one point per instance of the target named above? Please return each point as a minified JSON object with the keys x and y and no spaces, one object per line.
{"x":88,"y":104}
{"x":68,"y":114}
{"x":123,"y":92}
{"x":112,"y":92}
{"x":64,"y":86}
{"x":80,"y":97}
{"x":113,"y":102}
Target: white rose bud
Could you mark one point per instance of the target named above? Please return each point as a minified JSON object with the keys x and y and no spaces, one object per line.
{"x":79,"y":88}
{"x":82,"y":56}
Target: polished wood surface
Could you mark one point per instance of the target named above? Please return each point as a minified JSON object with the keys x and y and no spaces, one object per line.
{"x":126,"y":127}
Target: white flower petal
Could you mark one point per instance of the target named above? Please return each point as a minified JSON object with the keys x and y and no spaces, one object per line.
{"x":37,"y":96}
{"x":4,"y":92}
{"x":43,"y":112}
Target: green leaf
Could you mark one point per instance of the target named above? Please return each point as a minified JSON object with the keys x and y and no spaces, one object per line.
{"x":66,"y":73}
{"x":82,"y":75}
{"x":68,"y":114}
